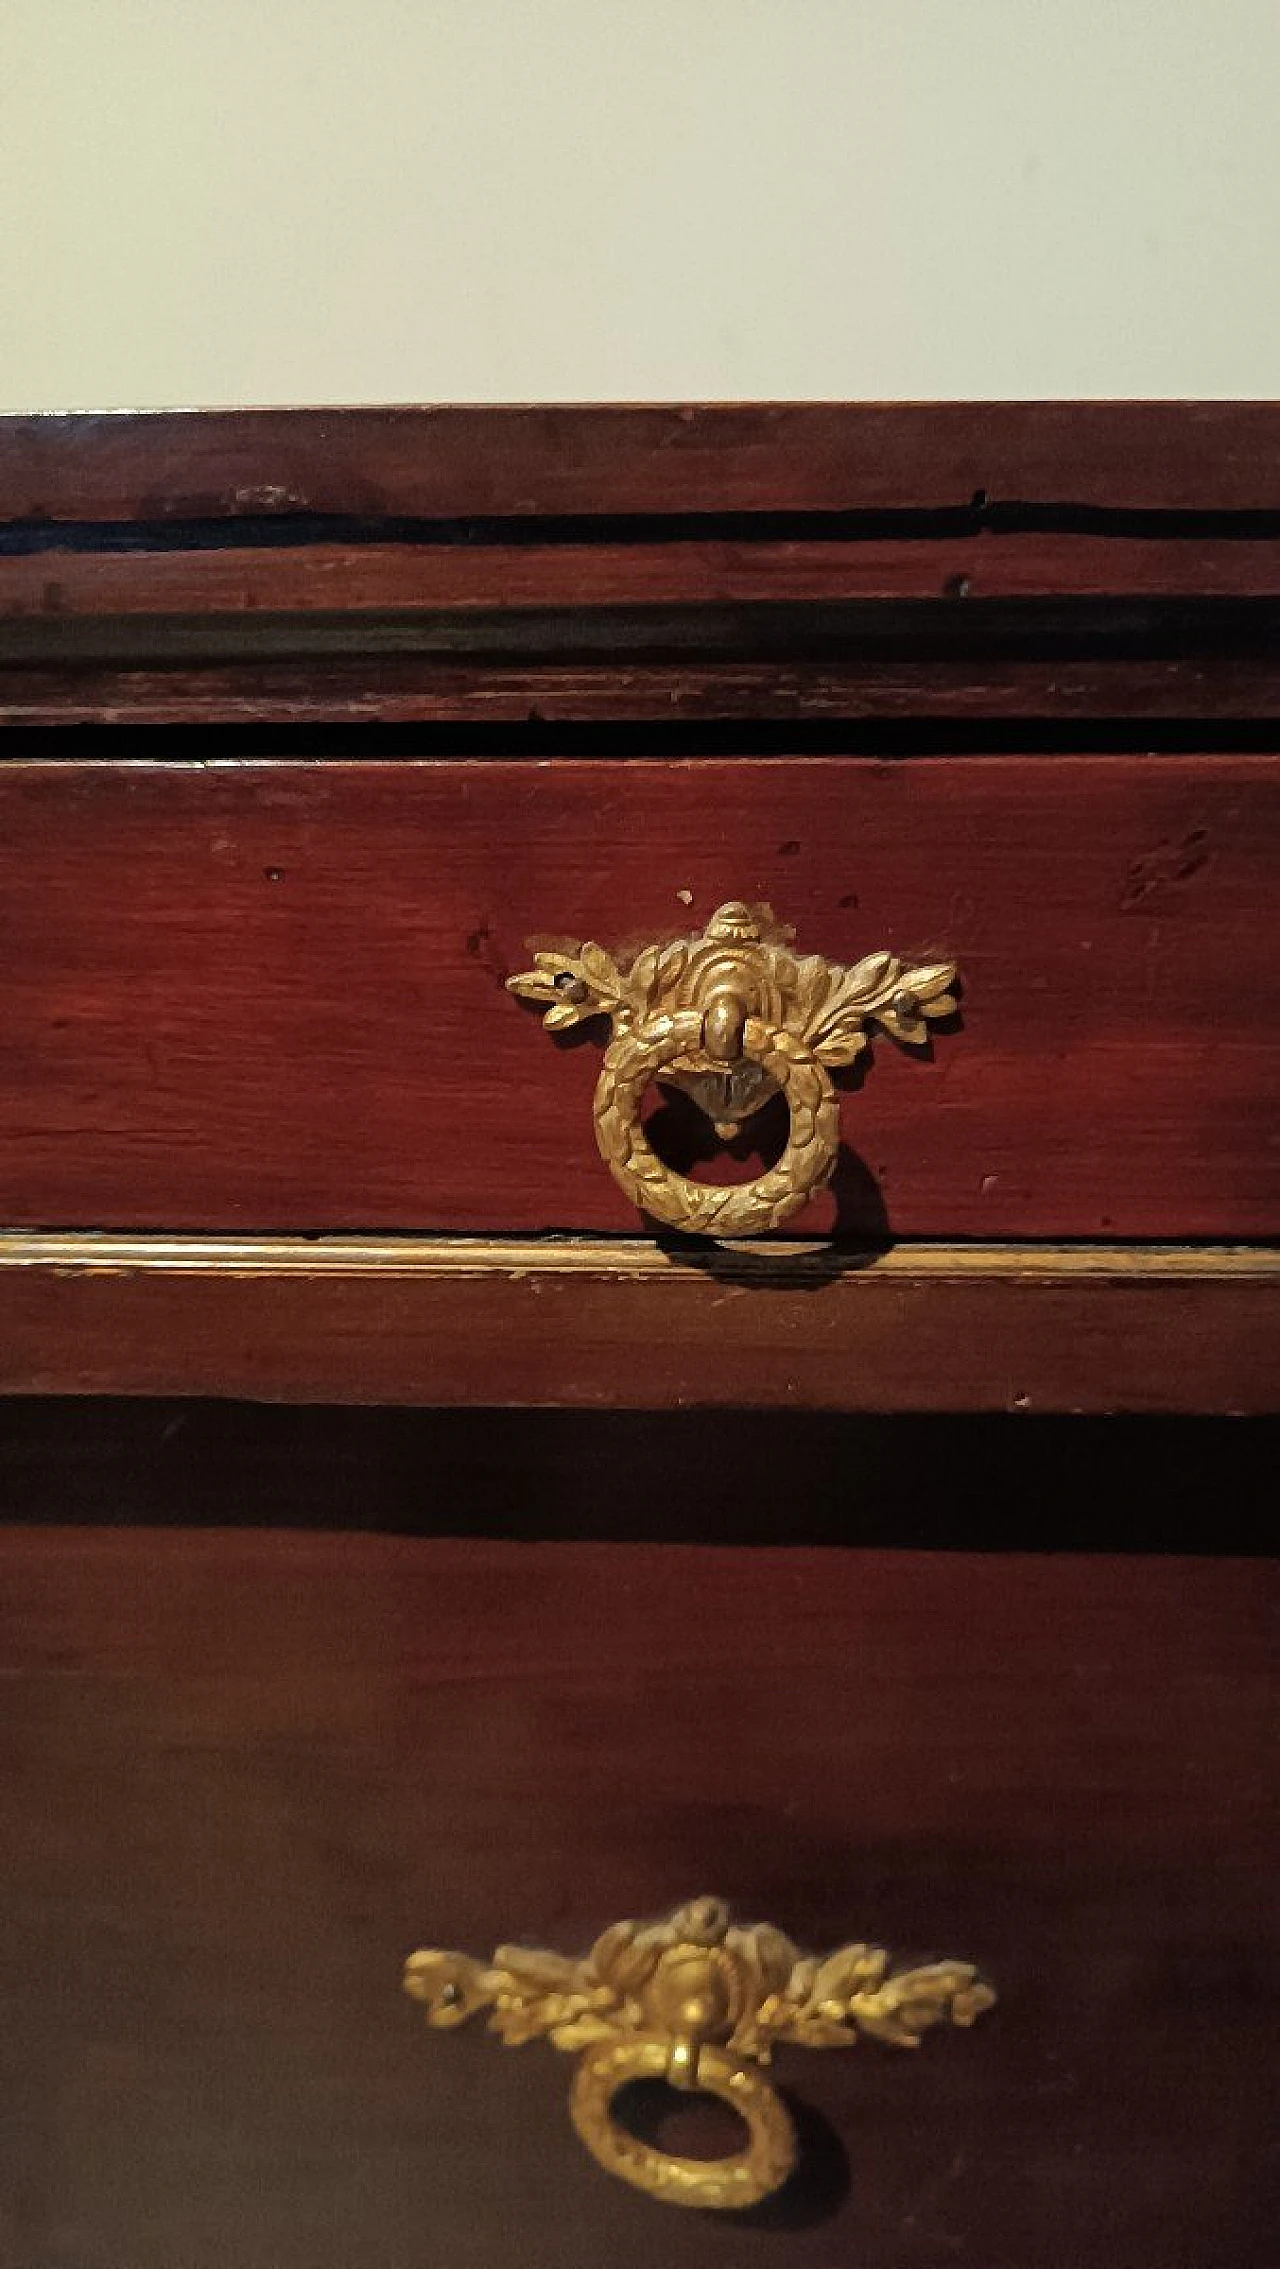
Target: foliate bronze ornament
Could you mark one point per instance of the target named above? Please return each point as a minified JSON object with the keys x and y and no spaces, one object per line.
{"x":733,"y":1017}
{"x":701,"y":2003}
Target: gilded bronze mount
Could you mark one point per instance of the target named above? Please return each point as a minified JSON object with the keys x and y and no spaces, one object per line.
{"x":701,"y":2003}
{"x":733,"y":1017}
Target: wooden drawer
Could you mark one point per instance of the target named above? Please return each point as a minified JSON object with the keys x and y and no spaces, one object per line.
{"x":241,"y":1776}
{"x":268,"y":995}
{"x":363,"y":701}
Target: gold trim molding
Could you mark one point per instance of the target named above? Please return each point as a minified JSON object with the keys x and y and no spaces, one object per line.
{"x":625,"y":1259}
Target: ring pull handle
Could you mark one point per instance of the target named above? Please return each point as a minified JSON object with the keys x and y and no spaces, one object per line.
{"x":733,"y":1017}
{"x":701,"y":2003}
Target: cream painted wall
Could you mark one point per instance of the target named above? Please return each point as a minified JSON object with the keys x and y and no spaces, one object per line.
{"x":216,"y":201}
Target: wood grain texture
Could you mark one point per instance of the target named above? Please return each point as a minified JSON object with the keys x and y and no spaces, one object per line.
{"x":844,"y":633}
{"x":241,"y":1775}
{"x":148,"y":559}
{"x":395,"y":690}
{"x":239,"y":996}
{"x":55,"y":584}
{"x":753,"y":654}
{"x":603,"y":1326}
{"x":1174,"y":456}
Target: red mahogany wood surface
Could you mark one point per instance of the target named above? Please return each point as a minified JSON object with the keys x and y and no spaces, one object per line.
{"x":609,"y":1323}
{"x":364,"y":577}
{"x":235,"y":522}
{"x":527,"y":461}
{"x":270,"y":995}
{"x":242,"y":1775}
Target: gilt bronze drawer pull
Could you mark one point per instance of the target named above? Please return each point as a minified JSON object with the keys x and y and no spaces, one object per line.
{"x":700,"y":2003}
{"x":732,"y":1017}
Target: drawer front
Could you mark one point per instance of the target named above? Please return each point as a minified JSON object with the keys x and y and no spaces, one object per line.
{"x":270,"y":995}
{"x":240,"y":1777}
